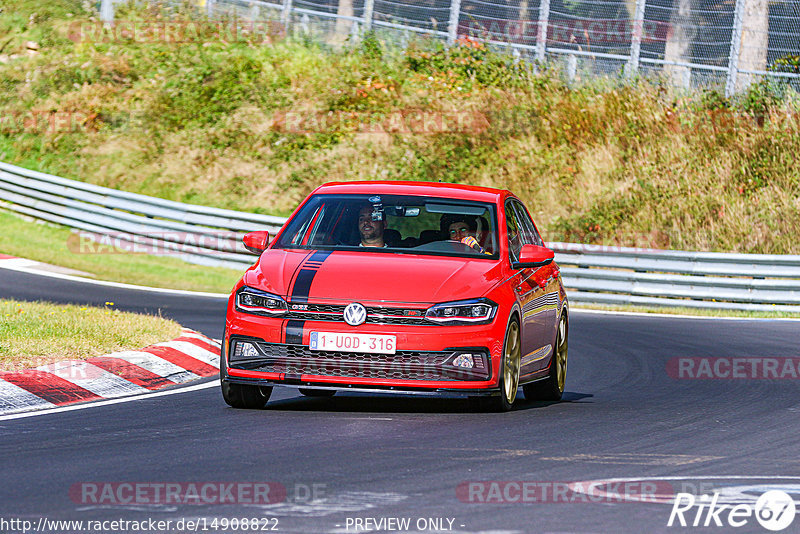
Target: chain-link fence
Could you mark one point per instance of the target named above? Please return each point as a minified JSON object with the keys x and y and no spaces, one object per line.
{"x":692,"y":43}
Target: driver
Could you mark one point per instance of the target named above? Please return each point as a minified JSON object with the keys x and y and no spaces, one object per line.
{"x":370,"y":230}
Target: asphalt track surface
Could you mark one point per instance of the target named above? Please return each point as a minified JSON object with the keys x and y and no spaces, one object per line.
{"x":386,"y":457}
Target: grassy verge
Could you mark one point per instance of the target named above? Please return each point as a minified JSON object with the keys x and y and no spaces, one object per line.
{"x":49,"y":244}
{"x":255,"y":123}
{"x":694,"y":312}
{"x":38,"y":333}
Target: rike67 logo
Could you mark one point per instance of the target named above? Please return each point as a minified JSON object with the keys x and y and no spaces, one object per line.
{"x":774,"y":510}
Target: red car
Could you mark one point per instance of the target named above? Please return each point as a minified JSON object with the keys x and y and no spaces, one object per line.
{"x":408,"y":287}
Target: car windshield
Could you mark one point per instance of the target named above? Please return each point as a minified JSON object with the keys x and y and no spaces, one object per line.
{"x":396,"y":224}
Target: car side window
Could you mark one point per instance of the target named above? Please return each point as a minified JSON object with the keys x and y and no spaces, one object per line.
{"x":529,"y":234}
{"x":514,"y":234}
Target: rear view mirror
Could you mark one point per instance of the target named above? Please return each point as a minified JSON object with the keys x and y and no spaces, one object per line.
{"x":533,"y":256}
{"x":256,"y":242}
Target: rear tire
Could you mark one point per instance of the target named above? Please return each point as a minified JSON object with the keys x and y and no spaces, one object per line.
{"x":318,"y":392}
{"x":552,"y":388}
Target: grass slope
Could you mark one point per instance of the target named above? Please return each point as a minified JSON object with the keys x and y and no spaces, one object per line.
{"x":254,"y":123}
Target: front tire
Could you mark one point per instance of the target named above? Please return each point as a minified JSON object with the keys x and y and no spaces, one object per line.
{"x":245,"y":396}
{"x":509,"y":369}
{"x":240,"y":395}
{"x":552,"y":388}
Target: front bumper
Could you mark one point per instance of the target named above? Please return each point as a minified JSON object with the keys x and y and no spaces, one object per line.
{"x":295,"y":364}
{"x":422,"y":364}
{"x":369,"y":388}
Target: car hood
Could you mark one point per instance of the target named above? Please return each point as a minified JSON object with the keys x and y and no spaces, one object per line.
{"x":366,"y":276}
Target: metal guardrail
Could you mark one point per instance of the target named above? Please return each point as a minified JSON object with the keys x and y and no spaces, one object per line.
{"x":622,"y":275}
{"x":198,"y":234}
{"x":592,"y":273}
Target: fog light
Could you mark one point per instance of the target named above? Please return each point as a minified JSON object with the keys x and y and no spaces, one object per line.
{"x":464,"y":360}
{"x":245,"y":350}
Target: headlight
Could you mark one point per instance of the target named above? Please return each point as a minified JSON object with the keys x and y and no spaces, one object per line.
{"x":462,"y":312}
{"x":259,"y":302}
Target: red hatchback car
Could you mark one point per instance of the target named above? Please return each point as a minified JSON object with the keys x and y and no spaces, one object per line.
{"x":408,"y":287}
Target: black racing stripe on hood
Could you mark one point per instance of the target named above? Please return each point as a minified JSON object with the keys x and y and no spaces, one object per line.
{"x":308,"y":270}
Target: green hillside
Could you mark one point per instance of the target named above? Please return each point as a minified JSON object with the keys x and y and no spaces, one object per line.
{"x":251,"y":120}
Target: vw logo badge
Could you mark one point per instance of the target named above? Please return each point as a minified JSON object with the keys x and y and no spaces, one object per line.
{"x":355,"y":314}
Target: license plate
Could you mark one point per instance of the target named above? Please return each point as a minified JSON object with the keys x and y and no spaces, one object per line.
{"x":332,"y":341}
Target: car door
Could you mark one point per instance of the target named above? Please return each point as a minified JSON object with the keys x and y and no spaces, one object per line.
{"x":538,"y":295}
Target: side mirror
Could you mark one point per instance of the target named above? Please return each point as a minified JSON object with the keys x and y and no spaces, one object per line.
{"x":256,"y":242}
{"x":533,"y":256}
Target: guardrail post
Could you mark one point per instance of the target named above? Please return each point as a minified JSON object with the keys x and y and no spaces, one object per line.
{"x":736,"y":42}
{"x":452,"y":26}
{"x":541,"y":34}
{"x":636,"y":38}
{"x":369,"y":7}
{"x":286,"y":14}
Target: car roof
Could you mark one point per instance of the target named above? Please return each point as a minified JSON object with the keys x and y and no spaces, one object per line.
{"x":432,"y":189}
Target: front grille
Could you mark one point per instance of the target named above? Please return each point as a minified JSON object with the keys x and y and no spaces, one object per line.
{"x":404,"y":365}
{"x":375,"y":314}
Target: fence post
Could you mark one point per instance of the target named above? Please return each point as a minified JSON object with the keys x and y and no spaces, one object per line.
{"x":210,"y":8}
{"x":254,"y":11}
{"x":107,"y":10}
{"x":636,"y":38}
{"x":572,"y":67}
{"x":452,"y":26}
{"x":369,"y":6}
{"x":286,"y":14}
{"x":541,"y":34}
{"x":736,"y":42}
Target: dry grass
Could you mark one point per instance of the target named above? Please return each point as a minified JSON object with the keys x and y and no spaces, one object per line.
{"x":38,"y":333}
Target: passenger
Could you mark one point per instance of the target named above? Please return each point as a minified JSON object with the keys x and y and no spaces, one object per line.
{"x":370,"y":230}
{"x":461,"y":228}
